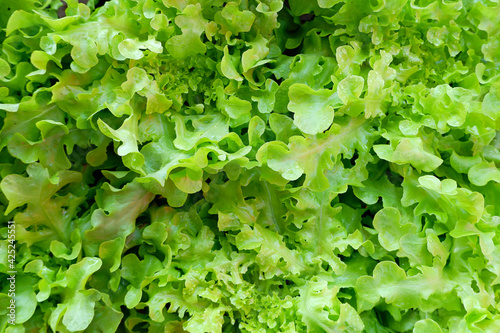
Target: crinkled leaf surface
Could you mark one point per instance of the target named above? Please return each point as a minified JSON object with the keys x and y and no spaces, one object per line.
{"x":250,"y":166}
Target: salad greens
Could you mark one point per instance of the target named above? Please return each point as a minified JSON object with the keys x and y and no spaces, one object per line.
{"x":251,"y":165}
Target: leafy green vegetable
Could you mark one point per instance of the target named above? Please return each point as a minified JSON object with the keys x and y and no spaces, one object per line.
{"x":250,"y":166}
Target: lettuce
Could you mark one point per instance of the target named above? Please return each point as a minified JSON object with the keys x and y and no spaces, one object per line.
{"x":250,"y":166}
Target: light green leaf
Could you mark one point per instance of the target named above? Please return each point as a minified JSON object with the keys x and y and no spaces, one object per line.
{"x":126,"y":134}
{"x":412,"y":151}
{"x":80,"y":310}
{"x":480,"y":174}
{"x":491,"y":102}
{"x":427,"y":326}
{"x":350,"y":88}
{"x":192,"y":24}
{"x":229,"y":65}
{"x":253,"y":57}
{"x":388,"y":223}
{"x":313,"y":109}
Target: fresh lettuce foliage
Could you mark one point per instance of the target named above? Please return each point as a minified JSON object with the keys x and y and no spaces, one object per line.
{"x":251,"y":166}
